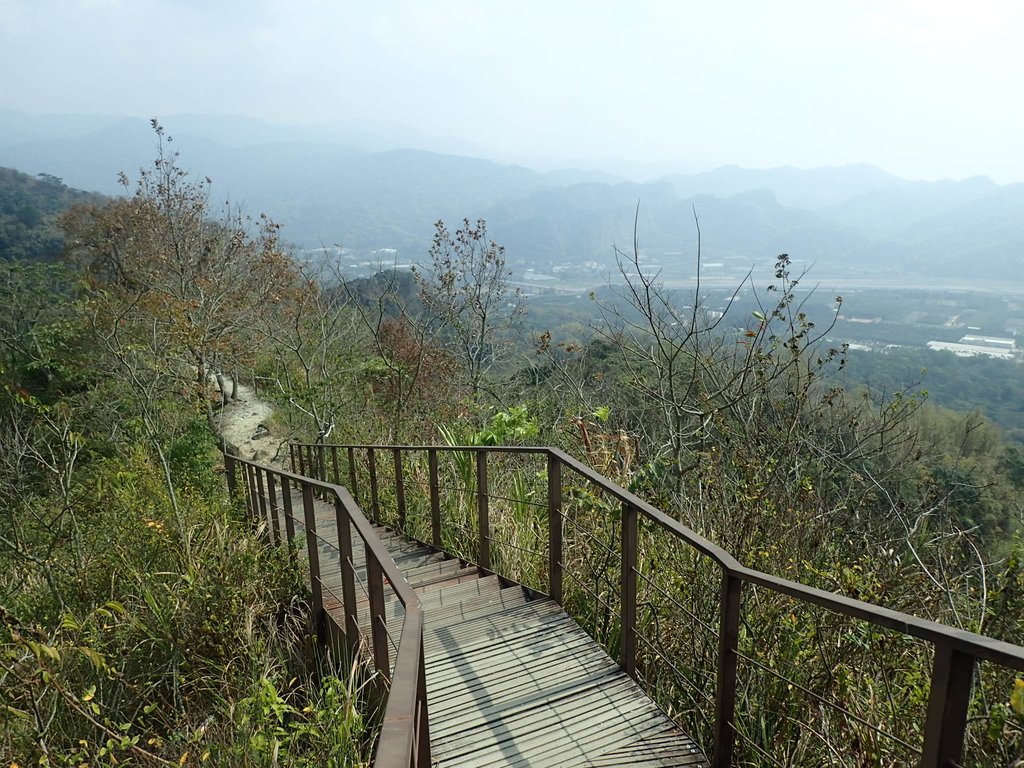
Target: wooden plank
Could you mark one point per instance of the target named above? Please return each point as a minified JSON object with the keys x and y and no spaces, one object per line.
{"x":663,"y":749}
{"x":507,"y":600}
{"x":510,"y":675}
{"x":455,"y":596}
{"x":488,"y":630}
{"x":600,"y":738}
{"x":488,"y":704}
{"x":563,"y":727}
{"x":558,"y":641}
{"x":544,"y":720}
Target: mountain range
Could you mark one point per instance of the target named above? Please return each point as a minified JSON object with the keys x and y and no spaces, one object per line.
{"x":370,"y":186}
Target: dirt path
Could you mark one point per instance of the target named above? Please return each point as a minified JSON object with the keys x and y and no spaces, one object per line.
{"x":243,"y":424}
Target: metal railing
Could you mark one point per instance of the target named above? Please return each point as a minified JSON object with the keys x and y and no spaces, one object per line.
{"x":555,"y":552}
{"x":270,"y":493}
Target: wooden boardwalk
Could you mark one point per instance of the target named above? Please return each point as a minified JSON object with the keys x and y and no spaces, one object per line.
{"x":512,"y":680}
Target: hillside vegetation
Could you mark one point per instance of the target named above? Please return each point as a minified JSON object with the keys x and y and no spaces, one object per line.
{"x":144,"y":620}
{"x":28,"y":215}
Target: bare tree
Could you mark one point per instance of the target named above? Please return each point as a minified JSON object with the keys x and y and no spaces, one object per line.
{"x":466,"y":289}
{"x":198,"y":277}
{"x":316,"y":337}
{"x":414,"y":380}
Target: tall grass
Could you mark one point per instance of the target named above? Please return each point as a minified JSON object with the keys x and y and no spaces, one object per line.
{"x":140,"y":639}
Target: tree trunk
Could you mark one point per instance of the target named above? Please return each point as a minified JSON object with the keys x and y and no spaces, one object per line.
{"x":223,"y":389}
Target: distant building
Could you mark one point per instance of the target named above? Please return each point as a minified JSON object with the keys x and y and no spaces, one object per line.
{"x":961,"y":349}
{"x":863,"y":320}
{"x":990,"y":341}
{"x":534,"y":276}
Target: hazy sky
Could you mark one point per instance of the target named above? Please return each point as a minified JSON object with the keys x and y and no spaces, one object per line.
{"x":923,"y":88}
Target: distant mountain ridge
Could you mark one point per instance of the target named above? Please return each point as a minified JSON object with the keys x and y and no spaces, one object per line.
{"x":345,"y":184}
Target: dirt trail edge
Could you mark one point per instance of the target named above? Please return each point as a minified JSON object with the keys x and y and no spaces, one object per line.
{"x":243,"y":425}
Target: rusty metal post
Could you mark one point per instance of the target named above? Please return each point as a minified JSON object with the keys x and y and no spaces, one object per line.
{"x":422,"y":718}
{"x":399,"y":488}
{"x":948,"y":701}
{"x":289,"y":520}
{"x":253,"y":506}
{"x":371,"y":460}
{"x":313,"y":555}
{"x":627,"y":626}
{"x":483,"y":509}
{"x":229,"y":475}
{"x":250,"y":496}
{"x":302,"y":464}
{"x":275,"y":517}
{"x":555,"y":527}
{"x":352,"y":473}
{"x":261,"y":495}
{"x":728,"y":659}
{"x":378,"y":620}
{"x":291,"y":456}
{"x":348,"y":579}
{"x":334,"y":464}
{"x":321,"y":457}
{"x":435,"y":498}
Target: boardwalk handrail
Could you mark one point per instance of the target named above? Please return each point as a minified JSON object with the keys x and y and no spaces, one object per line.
{"x":957,"y":651}
{"x":404,"y":739}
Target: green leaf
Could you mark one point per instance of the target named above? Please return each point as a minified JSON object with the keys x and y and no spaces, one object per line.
{"x":97,"y":660}
{"x":16,"y":712}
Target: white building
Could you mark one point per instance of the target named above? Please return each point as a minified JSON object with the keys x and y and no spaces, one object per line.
{"x":960,"y":349}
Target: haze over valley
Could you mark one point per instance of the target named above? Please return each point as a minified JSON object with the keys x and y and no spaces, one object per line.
{"x":376,"y":192}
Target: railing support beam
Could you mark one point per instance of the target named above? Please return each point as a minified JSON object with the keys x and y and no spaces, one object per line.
{"x":289,"y":518}
{"x":275,"y":516}
{"x":353,"y":489}
{"x":371,"y":460}
{"x":229,"y":474}
{"x":728,"y":660}
{"x":948,"y":701}
{"x":627,"y":628}
{"x":313,"y":556}
{"x":348,"y":577}
{"x":555,"y":528}
{"x":250,"y":487}
{"x":435,"y":499}
{"x":483,"y":510}
{"x":378,"y":621}
{"x":422,"y":719}
{"x":334,"y":464}
{"x":399,"y":488}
